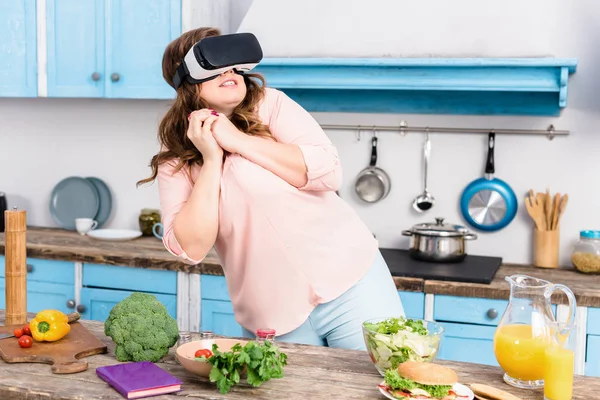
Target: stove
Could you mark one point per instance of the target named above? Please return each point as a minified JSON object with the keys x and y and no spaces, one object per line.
{"x":473,"y":269}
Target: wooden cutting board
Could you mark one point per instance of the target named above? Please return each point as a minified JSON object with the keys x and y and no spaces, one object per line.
{"x":64,"y":354}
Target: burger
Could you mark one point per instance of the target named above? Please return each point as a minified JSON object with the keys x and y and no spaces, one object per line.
{"x":420,"y":380}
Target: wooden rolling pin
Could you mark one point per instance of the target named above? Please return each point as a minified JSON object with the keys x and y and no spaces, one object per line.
{"x":15,"y":267}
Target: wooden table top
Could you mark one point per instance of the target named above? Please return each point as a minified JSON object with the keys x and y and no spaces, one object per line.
{"x":312,"y":373}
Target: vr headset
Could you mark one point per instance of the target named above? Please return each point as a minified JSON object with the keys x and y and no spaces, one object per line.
{"x":214,"y":55}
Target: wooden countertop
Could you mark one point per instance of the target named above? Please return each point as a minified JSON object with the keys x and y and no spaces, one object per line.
{"x":149,"y":252}
{"x":312,"y":373}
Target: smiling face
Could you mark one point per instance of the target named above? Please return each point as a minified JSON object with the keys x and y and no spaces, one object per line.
{"x":225,"y":92}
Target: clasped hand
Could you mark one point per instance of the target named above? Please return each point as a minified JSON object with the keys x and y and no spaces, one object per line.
{"x":212,"y":133}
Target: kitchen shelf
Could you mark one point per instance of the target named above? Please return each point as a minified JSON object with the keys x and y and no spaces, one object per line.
{"x":475,"y":86}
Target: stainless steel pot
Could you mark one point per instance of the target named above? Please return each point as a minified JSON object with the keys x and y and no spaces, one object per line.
{"x":438,"y":242}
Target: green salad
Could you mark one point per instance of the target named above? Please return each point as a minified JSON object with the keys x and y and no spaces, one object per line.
{"x":396,"y":340}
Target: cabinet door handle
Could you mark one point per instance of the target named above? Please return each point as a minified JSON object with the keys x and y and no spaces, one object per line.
{"x":70,"y":303}
{"x":81,"y":308}
{"x":95,"y":76}
{"x":115,"y":77}
{"x":492,"y":313}
{"x":29,"y":267}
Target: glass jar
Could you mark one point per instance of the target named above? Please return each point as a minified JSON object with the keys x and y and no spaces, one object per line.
{"x":265,"y":335}
{"x":184,"y":337}
{"x":148,"y":217}
{"x":586,"y":253}
{"x":206,"y":335}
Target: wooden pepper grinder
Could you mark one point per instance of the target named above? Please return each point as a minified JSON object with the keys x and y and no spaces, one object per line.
{"x":16,"y":266}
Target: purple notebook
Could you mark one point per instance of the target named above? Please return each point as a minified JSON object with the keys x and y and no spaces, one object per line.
{"x":139,"y":379}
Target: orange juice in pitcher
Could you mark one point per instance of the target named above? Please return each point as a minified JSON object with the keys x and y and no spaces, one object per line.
{"x":524,"y":333}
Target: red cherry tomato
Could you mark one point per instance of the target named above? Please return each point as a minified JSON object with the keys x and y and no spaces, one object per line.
{"x":25,"y":341}
{"x":26,"y":330}
{"x":18,"y":332}
{"x":203,"y":352}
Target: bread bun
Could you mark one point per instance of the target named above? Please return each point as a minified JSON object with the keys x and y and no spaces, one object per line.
{"x":427,"y":373}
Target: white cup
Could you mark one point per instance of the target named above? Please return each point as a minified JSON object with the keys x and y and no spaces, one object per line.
{"x":84,"y":225}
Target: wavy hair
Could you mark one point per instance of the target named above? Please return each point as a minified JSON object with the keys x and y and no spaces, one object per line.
{"x":172,"y":131}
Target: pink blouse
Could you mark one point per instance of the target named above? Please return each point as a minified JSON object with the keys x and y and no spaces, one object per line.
{"x":284,"y":250}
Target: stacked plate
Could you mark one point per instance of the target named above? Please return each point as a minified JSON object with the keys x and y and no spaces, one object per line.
{"x":76,"y":197}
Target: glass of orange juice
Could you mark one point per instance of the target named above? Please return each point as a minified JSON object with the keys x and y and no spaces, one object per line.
{"x":559,"y":365}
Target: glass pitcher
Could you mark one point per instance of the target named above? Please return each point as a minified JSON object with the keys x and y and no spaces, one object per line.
{"x":525,"y":331}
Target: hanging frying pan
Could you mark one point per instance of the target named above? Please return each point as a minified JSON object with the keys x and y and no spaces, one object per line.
{"x":488,"y":203}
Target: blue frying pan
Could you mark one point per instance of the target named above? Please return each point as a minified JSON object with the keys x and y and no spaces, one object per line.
{"x":488,"y":203}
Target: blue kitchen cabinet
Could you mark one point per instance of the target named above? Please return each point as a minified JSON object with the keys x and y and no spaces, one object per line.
{"x":468,"y":343}
{"x":413,"y":304}
{"x":103,"y":286}
{"x":97,"y":303}
{"x":75,"y":33}
{"x":470,"y":325}
{"x":50,"y":284}
{"x":217,"y":316}
{"x":216,"y":312}
{"x":592,"y":357}
{"x":110,"y":48}
{"x":139,"y":32}
{"x":18,"y":48}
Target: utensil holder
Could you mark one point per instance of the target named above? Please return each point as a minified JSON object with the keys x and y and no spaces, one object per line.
{"x":546,"y":245}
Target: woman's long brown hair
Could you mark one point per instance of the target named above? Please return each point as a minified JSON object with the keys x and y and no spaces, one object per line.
{"x":172,"y":131}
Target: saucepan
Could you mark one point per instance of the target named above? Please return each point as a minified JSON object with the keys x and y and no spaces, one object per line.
{"x":373,"y":183}
{"x":438,"y":241}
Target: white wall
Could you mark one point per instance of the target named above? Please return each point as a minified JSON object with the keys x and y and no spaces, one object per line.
{"x":44,"y":140}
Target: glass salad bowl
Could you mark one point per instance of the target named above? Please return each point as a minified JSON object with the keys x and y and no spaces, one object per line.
{"x":392,"y":341}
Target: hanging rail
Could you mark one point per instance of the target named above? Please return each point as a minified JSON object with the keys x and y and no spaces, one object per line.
{"x":403,"y":128}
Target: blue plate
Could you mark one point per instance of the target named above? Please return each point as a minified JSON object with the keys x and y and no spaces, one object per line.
{"x":71,"y":198}
{"x":105,"y":200}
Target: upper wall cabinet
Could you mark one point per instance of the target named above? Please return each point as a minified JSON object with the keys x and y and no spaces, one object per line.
{"x":109,"y":48}
{"x":18,"y":54}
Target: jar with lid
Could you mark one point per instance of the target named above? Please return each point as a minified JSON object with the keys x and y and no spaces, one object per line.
{"x":148,"y":217}
{"x":586,"y":253}
{"x":265,"y":335}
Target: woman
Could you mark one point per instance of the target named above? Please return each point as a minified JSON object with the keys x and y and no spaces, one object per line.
{"x":245,"y":169}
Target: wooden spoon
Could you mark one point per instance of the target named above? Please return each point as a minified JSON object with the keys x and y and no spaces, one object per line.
{"x":561,"y":209}
{"x":548,"y":209}
{"x":555,"y":207}
{"x":535,"y":212}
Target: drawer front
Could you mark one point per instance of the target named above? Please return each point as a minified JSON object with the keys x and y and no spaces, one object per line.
{"x":413,"y":304}
{"x":51,"y":271}
{"x":468,"y":310}
{"x":593,"y":321}
{"x":468,"y":343}
{"x":99,"y":302}
{"x":217,"y":316}
{"x":592,"y":357}
{"x":214,"y":287}
{"x":44,"y":295}
{"x":130,"y":278}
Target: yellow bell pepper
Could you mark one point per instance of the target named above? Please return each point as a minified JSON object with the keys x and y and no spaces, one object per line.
{"x":49,"y":326}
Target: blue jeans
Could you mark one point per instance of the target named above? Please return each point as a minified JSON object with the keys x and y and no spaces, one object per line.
{"x":339,"y":322}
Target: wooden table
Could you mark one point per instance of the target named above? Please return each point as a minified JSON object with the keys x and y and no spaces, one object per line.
{"x":312,"y":373}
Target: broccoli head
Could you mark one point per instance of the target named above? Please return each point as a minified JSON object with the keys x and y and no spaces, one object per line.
{"x":142,"y":328}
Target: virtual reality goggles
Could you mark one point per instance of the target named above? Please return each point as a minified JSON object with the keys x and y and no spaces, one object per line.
{"x":214,"y":55}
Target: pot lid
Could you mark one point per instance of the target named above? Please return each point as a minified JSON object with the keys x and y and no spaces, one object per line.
{"x":439,"y":228}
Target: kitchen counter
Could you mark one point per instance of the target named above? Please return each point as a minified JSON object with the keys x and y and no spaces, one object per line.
{"x":144,"y":252}
{"x":312,"y":373}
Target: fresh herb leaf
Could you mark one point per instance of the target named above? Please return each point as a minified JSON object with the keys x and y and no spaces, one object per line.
{"x":262,"y":362}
